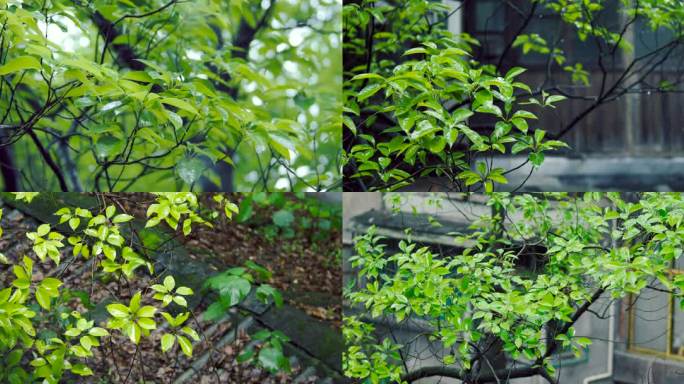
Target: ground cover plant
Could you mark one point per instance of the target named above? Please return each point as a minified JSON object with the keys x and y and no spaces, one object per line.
{"x":421,"y":101}
{"x":100,"y":293}
{"x":170,"y":95}
{"x":492,"y":314}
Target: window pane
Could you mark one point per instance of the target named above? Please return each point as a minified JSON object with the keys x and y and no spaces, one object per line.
{"x":678,"y":330}
{"x":492,"y":45}
{"x":651,"y":313}
{"x":490,"y":16}
{"x":647,"y":40}
{"x":547,"y":26}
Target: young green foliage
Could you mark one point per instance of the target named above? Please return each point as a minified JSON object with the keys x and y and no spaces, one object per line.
{"x":421,"y":114}
{"x":233,"y":287}
{"x":45,"y":336}
{"x":592,"y":246}
{"x":171,"y":95}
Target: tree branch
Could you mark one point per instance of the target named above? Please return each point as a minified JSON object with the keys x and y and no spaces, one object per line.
{"x":48,"y":159}
{"x":456,"y":373}
{"x":575,"y":316}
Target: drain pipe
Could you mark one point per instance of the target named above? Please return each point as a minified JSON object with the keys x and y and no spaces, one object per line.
{"x":611,"y":347}
{"x":611,"y":337}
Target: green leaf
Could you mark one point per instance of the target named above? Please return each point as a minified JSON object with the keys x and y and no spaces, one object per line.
{"x":451,"y":135}
{"x":43,"y":297}
{"x":180,"y":300}
{"x":109,"y":211}
{"x":190,"y":169}
{"x":178,"y":103}
{"x":185,"y":345}
{"x":167,"y":341}
{"x":140,"y":76}
{"x":50,"y":283}
{"x":122,"y":218}
{"x":74,"y":223}
{"x":524,"y":114}
{"x":107,"y":145}
{"x":175,"y":119}
{"x":416,"y":51}
{"x":19,"y":64}
{"x":519,"y":147}
{"x":303,"y":101}
{"x":583,"y":341}
{"x":118,"y":310}
{"x":81,"y":370}
{"x":43,"y":230}
{"x":63,"y":211}
{"x":97,"y":331}
{"x":191,"y":332}
{"x":536,"y":158}
{"x":424,"y":128}
{"x":272,"y":359}
{"x":364,"y":76}
{"x":261,"y":271}
{"x":230,"y":209}
{"x":84,"y":64}
{"x":265,"y":291}
{"x":134,"y":304}
{"x":349,"y":123}
{"x":461,"y":114}
{"x":369,"y":90}
{"x":214,"y":312}
{"x":146,"y":323}
{"x":146,"y":311}
{"x":133,"y":332}
{"x":437,"y":144}
{"x":520,"y":123}
{"x":553,"y":99}
{"x":159,"y":288}
{"x":233,"y":289}
{"x":169,"y":283}
{"x":513,"y":72}
{"x":184,"y":291}
{"x":245,"y":355}
{"x":490,"y":108}
{"x":283,"y":218}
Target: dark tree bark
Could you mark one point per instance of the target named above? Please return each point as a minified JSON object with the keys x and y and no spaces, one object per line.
{"x":10,"y":176}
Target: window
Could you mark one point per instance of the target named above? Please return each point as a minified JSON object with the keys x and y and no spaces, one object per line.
{"x":647,"y":40}
{"x":454,"y":22}
{"x":496,"y":23}
{"x":486,"y":20}
{"x":549,"y":26}
{"x":656,"y":323}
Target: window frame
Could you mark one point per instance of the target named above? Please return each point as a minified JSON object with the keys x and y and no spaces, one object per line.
{"x":668,"y":354}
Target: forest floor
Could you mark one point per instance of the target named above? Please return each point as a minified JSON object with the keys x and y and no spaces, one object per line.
{"x":303,"y":264}
{"x":306,"y":264}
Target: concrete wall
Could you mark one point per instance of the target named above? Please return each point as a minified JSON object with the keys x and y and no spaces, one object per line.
{"x":586,"y":173}
{"x":355,"y":203}
{"x":631,"y":368}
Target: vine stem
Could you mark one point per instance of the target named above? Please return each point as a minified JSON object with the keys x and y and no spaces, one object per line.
{"x":137,"y":349}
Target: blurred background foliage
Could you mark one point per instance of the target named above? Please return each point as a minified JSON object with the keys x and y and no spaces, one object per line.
{"x":170,"y":95}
